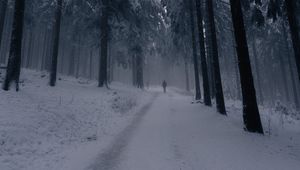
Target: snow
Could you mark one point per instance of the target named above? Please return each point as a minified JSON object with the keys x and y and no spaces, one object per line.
{"x":50,"y":128}
{"x":77,"y":126}
{"x":177,"y":135}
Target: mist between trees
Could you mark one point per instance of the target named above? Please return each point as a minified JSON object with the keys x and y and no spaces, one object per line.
{"x":224,"y":49}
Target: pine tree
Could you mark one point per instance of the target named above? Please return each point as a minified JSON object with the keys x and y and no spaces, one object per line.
{"x":215,"y":54}
{"x":206,"y":89}
{"x":251,"y":115}
{"x":290,"y":9}
{"x":104,"y":44}
{"x":195,"y":57}
{"x":14,"y":60}
{"x":259,"y":86}
{"x":3,"y":7}
{"x":291,"y":71}
{"x":53,"y":71}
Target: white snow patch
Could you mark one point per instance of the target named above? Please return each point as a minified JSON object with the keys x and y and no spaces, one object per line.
{"x":48,"y":128}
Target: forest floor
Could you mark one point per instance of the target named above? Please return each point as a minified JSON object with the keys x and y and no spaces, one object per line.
{"x":177,"y":135}
{"x":45,"y":128}
{"x":77,"y":126}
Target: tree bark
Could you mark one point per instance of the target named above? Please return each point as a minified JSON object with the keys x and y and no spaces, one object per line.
{"x":140,"y":71}
{"x":134,"y":70}
{"x":206,"y":89}
{"x":14,"y":60}
{"x":216,"y":67}
{"x":261,"y":97}
{"x":45,"y":49}
{"x":283,"y":75}
{"x":294,"y":86}
{"x":78,"y":57}
{"x":290,"y":7}
{"x":29,"y":51}
{"x":3,"y":7}
{"x":111,"y":66}
{"x":251,"y":115}
{"x":53,"y":72}
{"x":236,"y":70}
{"x":104,"y":45}
{"x":195,"y":57}
{"x":91,"y":65}
{"x":187,"y":79}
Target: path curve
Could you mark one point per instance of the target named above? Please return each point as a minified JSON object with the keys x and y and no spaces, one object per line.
{"x":111,"y":156}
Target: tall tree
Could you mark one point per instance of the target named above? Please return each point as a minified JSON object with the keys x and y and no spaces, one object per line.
{"x":3,"y":7}
{"x":139,"y":67}
{"x":291,"y":71}
{"x":215,"y":54}
{"x":257,"y":65}
{"x":291,"y":13}
{"x":206,"y":89}
{"x":104,"y":44}
{"x":14,"y":60}
{"x":194,"y":46}
{"x":250,"y":109}
{"x":56,"y":30}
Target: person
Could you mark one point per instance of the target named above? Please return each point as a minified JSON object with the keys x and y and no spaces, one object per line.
{"x":164,"y":85}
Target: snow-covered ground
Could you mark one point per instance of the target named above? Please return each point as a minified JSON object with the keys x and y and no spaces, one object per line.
{"x":45,"y":128}
{"x":77,"y":126}
{"x":177,"y":135}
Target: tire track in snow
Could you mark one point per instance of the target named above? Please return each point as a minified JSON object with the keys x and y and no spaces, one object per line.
{"x":110,"y":158}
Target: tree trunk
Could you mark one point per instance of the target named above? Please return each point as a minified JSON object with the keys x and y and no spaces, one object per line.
{"x":261,"y":97}
{"x":236,"y":70}
{"x":24,"y":48}
{"x":14,"y":60}
{"x":134,"y":70}
{"x":39,"y":55}
{"x":3,"y":8}
{"x":111,"y":66}
{"x":195,"y":57}
{"x":29,"y":51}
{"x":187,"y":79}
{"x":53,"y":71}
{"x":140,"y":71}
{"x":72,"y":61}
{"x":104,"y":45}
{"x":49,"y":50}
{"x":283,"y":75}
{"x":251,"y":115}
{"x":290,"y":9}
{"x":45,"y":49}
{"x":294,"y":86}
{"x":78,"y":56}
{"x":216,"y":67}
{"x":91,"y":65}
{"x":208,"y":46}
{"x":206,"y":89}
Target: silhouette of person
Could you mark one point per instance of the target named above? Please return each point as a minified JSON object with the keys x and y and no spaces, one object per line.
{"x":164,"y":85}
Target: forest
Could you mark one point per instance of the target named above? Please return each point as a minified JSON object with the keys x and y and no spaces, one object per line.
{"x":240,"y":58}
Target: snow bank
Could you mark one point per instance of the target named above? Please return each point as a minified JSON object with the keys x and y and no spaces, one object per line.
{"x":51,"y":128}
{"x":281,"y":126}
{"x":277,"y":121}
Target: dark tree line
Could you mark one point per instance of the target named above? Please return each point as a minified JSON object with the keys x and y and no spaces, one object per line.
{"x":202,"y":33}
{"x":242,"y":33}
{"x":105,"y":20}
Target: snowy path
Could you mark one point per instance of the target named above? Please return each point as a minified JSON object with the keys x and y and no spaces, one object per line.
{"x":172,"y":134}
